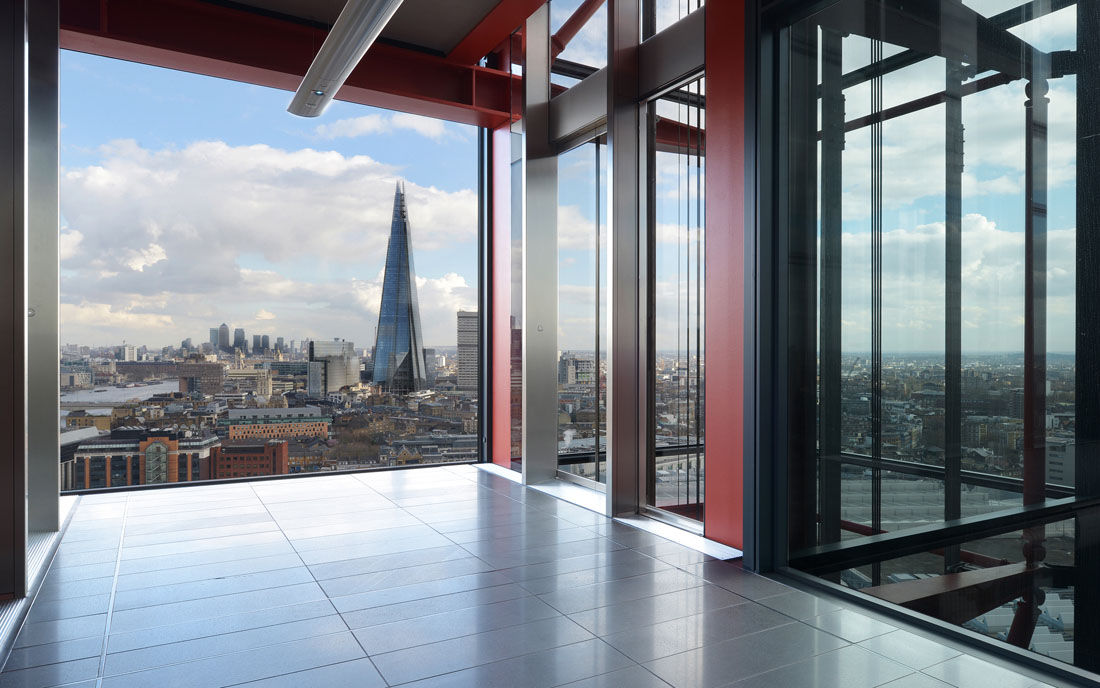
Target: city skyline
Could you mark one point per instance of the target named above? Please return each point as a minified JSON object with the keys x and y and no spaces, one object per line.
{"x":184,"y":204}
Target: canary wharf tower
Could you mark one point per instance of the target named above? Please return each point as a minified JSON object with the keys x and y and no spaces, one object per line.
{"x":399,"y":347}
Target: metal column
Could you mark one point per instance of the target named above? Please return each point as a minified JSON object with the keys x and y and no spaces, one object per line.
{"x":43,"y":468}
{"x":1086,"y":652}
{"x":13,"y":485}
{"x":954,"y":144}
{"x":540,"y":266}
{"x":627,"y":289}
{"x":801,"y":299}
{"x":832,"y":159}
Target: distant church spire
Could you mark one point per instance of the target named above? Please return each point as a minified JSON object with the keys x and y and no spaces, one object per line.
{"x":399,"y":345}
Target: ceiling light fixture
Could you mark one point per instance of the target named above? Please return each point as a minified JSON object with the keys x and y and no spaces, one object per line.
{"x":355,"y":30}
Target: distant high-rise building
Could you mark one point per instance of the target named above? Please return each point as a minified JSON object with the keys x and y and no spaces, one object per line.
{"x":223,"y":337}
{"x":265,"y":342}
{"x":399,"y":346}
{"x":239,"y":342}
{"x":429,"y":365}
{"x":186,"y":344}
{"x":332,"y":365}
{"x":280,"y":345}
{"x":257,"y":344}
{"x":467,"y":349}
{"x":214,"y":338}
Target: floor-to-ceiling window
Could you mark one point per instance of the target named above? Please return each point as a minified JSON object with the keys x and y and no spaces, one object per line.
{"x":940,"y":261}
{"x":676,"y":125}
{"x":582,"y":311}
{"x":209,"y":295}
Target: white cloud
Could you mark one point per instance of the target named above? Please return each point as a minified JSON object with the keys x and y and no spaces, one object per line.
{"x":367,"y":125}
{"x":68,"y":243}
{"x":195,"y":236}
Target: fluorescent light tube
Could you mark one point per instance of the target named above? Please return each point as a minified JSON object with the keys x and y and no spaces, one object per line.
{"x":355,"y":30}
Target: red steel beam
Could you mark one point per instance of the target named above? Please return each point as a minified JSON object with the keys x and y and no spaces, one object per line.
{"x":493,"y":30}
{"x":209,"y":39}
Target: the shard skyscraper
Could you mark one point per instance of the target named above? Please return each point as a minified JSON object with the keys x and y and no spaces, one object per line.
{"x":399,"y":347}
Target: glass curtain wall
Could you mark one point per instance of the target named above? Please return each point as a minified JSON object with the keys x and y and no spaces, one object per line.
{"x":942,"y":364}
{"x":582,"y":311}
{"x":676,"y":458}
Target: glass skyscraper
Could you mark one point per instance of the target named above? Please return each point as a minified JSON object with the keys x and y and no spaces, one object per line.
{"x":399,"y":347}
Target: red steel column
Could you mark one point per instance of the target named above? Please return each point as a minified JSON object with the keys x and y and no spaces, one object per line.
{"x":725,"y":270}
{"x":501,"y":265}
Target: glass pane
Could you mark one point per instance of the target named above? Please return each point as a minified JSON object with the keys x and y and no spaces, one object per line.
{"x":582,"y":310}
{"x":935,"y":229}
{"x":578,"y":40}
{"x":221,"y":320}
{"x":677,"y":123}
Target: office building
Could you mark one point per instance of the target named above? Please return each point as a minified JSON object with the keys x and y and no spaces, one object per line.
{"x":249,"y":458}
{"x":239,"y":341}
{"x":468,"y":337}
{"x":214,"y":338}
{"x":142,"y":456}
{"x":257,"y":344}
{"x":275,"y":423}
{"x":333,"y":365}
{"x":251,"y":380}
{"x":837,"y":258}
{"x":202,"y":378}
{"x":223,"y":338}
{"x":399,"y":348}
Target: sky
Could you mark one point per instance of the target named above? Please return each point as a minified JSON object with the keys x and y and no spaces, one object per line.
{"x":189,"y":201}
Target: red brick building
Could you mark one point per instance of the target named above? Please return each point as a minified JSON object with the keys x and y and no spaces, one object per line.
{"x":250,"y":458}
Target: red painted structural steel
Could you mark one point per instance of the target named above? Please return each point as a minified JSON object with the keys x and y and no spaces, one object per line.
{"x":214,"y":40}
{"x":494,"y":29}
{"x":501,"y":265}
{"x":725,"y":269}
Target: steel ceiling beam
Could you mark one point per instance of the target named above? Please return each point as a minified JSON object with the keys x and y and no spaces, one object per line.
{"x":230,"y":43}
{"x":493,"y":30}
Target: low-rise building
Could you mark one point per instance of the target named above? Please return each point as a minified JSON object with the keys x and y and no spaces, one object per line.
{"x":142,"y":456}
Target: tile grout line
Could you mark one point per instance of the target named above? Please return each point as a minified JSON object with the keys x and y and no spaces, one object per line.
{"x":317,"y":582}
{"x":114,"y":590}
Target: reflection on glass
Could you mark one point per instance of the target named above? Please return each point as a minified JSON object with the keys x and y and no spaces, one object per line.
{"x":578,"y":40}
{"x":582,"y":311}
{"x":668,"y":12}
{"x":676,"y":468}
{"x":934,"y":234}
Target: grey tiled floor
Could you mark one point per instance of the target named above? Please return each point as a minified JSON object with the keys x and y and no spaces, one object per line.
{"x":435,"y":577}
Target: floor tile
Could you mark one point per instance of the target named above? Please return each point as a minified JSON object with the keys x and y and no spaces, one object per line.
{"x":416,"y":591}
{"x":909,"y":649}
{"x":799,"y":605}
{"x":965,"y":671}
{"x":848,"y":666}
{"x":483,"y":648}
{"x":721,"y":663}
{"x":850,"y":625}
{"x":916,"y":681}
{"x":623,"y":616}
{"x":552,"y":667}
{"x":211,"y":646}
{"x":432,"y":605}
{"x":232,"y":623}
{"x":241,"y":667}
{"x":437,"y":627}
{"x":358,"y":673}
{"x":51,"y":674}
{"x":645,"y":643}
{"x":602,"y":594}
{"x":634,"y":677}
{"x":53,"y":653}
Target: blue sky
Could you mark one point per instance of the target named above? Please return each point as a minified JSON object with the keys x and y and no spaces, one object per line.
{"x":188,"y":201}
